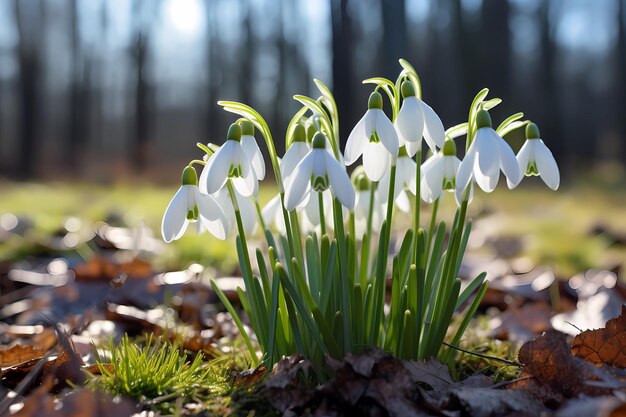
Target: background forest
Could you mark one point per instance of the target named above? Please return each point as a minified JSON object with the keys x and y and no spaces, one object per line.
{"x":104,"y":89}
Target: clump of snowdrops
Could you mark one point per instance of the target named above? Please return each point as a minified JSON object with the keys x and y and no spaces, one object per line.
{"x":319,"y":283}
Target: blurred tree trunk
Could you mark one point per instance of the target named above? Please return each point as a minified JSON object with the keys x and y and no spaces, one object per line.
{"x":548,"y":118}
{"x":247,"y":56}
{"x":394,"y":36}
{"x":621,"y":76}
{"x":466,"y":42}
{"x":214,"y":77}
{"x":495,"y":47}
{"x":342,"y":63}
{"x":281,"y":57}
{"x":79,"y":99}
{"x":141,"y":135}
{"x":30,"y":28}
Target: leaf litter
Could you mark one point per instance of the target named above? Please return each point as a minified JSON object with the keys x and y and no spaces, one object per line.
{"x":116,"y":292}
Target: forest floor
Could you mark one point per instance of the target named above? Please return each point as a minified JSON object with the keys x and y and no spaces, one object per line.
{"x":81,"y":266}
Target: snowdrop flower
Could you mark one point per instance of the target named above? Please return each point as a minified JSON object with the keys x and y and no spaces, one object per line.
{"x":405,"y":179}
{"x":189,"y":205}
{"x":247,"y":210}
{"x":318,"y":171}
{"x":251,"y":148}
{"x":416,"y":119}
{"x":362,"y":205}
{"x":229,"y":162}
{"x":534,"y":158}
{"x":272,"y":214}
{"x":439,"y":173}
{"x":486,"y":156}
{"x":296,"y":152}
{"x":375,"y":138}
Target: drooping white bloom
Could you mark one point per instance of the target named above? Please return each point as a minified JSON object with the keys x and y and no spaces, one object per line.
{"x":362,"y":205}
{"x":375,"y":138}
{"x":486,"y":156}
{"x":534,"y":158}
{"x":229,"y":162}
{"x":247,"y":210}
{"x":439,"y":173}
{"x":272,"y":214}
{"x":318,"y":171}
{"x":295,"y":153}
{"x":310,"y":213}
{"x":189,"y":205}
{"x":405,"y":179}
{"x":251,"y":148}
{"x":416,"y":119}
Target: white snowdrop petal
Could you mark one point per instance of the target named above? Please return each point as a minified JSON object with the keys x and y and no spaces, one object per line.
{"x":407,"y":168}
{"x":487,"y":152}
{"x":175,"y":220}
{"x":296,"y":152}
{"x":413,"y":147}
{"x":386,"y":132}
{"x":434,"y":132}
{"x":546,"y":164}
{"x":251,"y":148}
{"x":410,"y":121}
{"x":508,"y":164}
{"x":376,"y":161}
{"x":464,"y":174}
{"x":340,"y":182}
{"x":357,"y":140}
{"x":299,"y":182}
{"x":217,"y":168}
{"x":426,"y":193}
{"x":434,"y":174}
{"x":402,"y":202}
{"x":211,"y":215}
{"x":487,"y":182}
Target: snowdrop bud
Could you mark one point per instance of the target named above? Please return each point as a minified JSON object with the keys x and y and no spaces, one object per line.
{"x":375,"y":101}
{"x":483,"y":119}
{"x":234,"y":133}
{"x":319,"y":141}
{"x":311,"y":130}
{"x":532,"y":131}
{"x":449,"y":148}
{"x":190,"y":176}
{"x":407,"y":89}
{"x":299,"y":133}
{"x":247,"y":128}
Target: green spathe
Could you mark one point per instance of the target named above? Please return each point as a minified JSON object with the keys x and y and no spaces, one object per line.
{"x":247,"y":128}
{"x":375,"y":101}
{"x":532,"y":131}
{"x":449,"y":148}
{"x":190,"y":176}
{"x":319,"y":141}
{"x":483,"y":119}
{"x":407,"y":89}
{"x":299,"y":133}
{"x":234,"y":132}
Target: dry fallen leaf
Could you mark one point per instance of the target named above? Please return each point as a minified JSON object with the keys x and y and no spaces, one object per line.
{"x":605,"y":346}
{"x":557,"y":374}
{"x":19,"y":354}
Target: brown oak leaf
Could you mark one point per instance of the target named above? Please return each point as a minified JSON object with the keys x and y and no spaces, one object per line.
{"x":605,"y":346}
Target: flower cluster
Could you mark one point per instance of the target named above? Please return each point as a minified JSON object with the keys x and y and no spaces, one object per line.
{"x":321,"y":286}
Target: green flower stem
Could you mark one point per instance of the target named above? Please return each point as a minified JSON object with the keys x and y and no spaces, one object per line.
{"x":431,"y":228}
{"x":259,"y":214}
{"x":247,"y":266}
{"x":366,"y":243}
{"x":343,"y":267}
{"x":381,"y":272}
{"x":320,"y":200}
{"x":418,"y":203}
